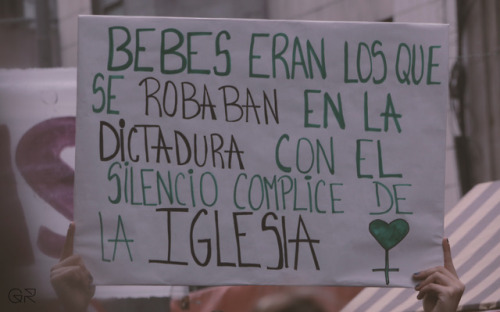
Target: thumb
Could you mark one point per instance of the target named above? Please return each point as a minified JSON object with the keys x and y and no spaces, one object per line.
{"x":68,"y":244}
{"x":448,"y":261}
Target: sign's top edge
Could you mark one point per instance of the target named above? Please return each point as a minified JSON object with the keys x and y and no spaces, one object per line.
{"x":258,"y":20}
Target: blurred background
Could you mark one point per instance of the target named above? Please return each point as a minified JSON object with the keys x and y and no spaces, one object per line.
{"x":43,"y":34}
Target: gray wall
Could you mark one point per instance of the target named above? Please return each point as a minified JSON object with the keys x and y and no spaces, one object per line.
{"x":480,"y":109}
{"x":187,"y":8}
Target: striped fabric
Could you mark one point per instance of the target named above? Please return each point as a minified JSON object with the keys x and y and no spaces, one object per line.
{"x":473,"y":228}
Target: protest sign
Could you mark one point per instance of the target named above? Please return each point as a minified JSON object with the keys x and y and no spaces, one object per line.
{"x":37,"y":122}
{"x":37,"y":138}
{"x":215,"y":151}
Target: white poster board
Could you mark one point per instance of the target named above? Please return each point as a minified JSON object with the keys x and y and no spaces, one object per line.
{"x":37,"y":160}
{"x":37,"y":138}
{"x":215,"y":151}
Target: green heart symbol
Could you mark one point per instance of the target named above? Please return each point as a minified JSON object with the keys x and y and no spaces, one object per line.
{"x":389,"y":235}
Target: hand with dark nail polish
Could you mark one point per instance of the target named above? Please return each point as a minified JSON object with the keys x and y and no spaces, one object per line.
{"x":439,"y":287}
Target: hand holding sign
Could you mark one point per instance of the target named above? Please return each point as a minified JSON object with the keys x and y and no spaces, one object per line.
{"x":70,"y":278}
{"x":440,"y":287}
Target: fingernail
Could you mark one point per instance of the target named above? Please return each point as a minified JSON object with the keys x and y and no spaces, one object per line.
{"x":417,"y":286}
{"x":416,"y":273}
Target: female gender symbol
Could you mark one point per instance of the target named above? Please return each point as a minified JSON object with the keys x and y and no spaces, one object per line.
{"x":388,"y":236}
